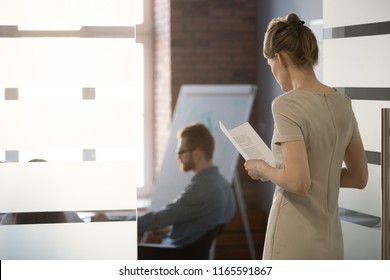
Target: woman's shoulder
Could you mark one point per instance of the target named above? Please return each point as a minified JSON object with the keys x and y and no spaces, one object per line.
{"x":286,"y":99}
{"x":298,"y":99}
{"x":300,"y":94}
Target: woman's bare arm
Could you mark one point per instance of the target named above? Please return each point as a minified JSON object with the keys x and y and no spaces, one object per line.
{"x":355,"y":172}
{"x":294,"y":177}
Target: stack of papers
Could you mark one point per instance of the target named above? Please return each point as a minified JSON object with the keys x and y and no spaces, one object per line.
{"x":248,"y":143}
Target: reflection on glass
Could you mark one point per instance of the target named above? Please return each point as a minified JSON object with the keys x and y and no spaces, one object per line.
{"x":108,"y":216}
{"x":58,"y":217}
{"x":360,"y":218}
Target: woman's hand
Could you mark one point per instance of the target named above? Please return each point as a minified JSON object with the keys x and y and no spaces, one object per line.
{"x":255,"y":168}
{"x":293,"y":176}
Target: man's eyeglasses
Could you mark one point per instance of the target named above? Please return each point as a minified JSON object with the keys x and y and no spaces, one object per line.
{"x":180,"y":152}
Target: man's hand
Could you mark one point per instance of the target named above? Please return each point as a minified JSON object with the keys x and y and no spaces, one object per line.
{"x":156,"y":236}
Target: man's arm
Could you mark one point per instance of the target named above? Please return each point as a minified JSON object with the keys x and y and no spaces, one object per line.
{"x":187,"y":207}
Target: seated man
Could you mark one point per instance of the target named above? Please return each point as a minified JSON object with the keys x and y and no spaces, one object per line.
{"x":207,"y":201}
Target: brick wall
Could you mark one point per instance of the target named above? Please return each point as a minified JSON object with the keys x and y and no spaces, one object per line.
{"x":212,"y":42}
{"x":200,"y":42}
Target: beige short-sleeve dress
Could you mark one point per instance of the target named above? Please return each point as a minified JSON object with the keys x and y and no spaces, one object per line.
{"x":309,"y":227}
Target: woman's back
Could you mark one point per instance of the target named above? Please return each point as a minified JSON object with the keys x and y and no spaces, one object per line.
{"x":326,"y":124}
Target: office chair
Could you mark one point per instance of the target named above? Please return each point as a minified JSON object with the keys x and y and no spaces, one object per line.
{"x":198,"y":250}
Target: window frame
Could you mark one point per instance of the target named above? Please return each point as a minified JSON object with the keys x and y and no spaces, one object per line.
{"x":144,"y":36}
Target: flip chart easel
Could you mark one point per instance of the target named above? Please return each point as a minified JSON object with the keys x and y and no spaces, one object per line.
{"x":207,"y":104}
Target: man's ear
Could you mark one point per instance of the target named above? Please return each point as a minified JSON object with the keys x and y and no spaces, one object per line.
{"x":197,"y":153}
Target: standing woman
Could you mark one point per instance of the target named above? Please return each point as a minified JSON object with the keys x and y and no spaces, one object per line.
{"x":315,"y":132}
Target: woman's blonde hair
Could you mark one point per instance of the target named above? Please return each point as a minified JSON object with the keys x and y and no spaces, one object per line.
{"x":289,"y":35}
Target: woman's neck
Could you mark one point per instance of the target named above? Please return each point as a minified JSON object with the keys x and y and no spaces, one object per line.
{"x":307,"y":80}
{"x":303,"y":79}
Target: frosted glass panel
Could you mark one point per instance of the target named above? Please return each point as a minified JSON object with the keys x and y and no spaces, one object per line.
{"x":356,"y":200}
{"x":89,"y":186}
{"x":67,"y":61}
{"x":77,"y":155}
{"x":74,"y":102}
{"x":68,"y":12}
{"x":359,"y":12}
{"x":49,"y":93}
{"x":368,"y":115}
{"x":350,"y":62}
{"x":84,"y":124}
{"x":132,"y":94}
{"x":361,"y":243}
{"x":94,"y":241}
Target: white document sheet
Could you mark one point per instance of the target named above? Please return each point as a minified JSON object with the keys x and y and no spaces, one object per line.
{"x":248,"y":143}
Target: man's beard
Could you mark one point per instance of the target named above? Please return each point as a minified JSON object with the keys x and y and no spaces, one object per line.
{"x":187,"y":166}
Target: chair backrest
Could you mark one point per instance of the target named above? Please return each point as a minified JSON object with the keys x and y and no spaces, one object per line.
{"x":199,"y":250}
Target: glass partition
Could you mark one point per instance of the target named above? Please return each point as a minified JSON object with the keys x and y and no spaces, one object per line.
{"x":70,"y":101}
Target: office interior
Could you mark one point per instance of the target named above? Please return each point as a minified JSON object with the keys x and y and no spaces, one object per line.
{"x":219,"y":42}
